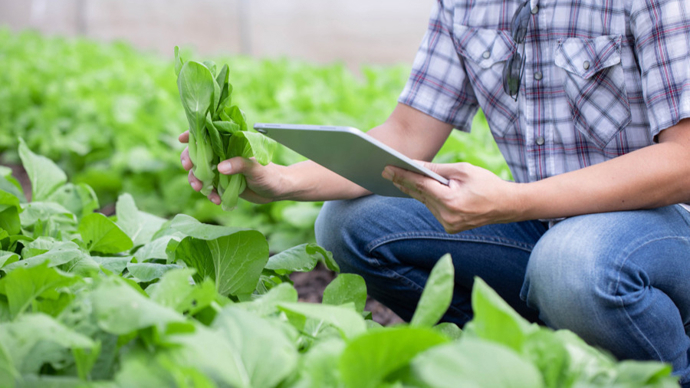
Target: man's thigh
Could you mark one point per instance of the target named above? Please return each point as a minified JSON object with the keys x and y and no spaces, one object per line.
{"x":617,"y":279}
{"x":394,"y":243}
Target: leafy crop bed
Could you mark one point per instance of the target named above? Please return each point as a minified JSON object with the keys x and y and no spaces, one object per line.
{"x":135,"y":300}
{"x":110,"y":115}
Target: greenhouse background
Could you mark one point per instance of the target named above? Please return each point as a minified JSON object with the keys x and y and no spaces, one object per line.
{"x":355,"y":31}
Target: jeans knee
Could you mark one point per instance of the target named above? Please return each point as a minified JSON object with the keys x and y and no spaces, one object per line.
{"x":341,"y":229}
{"x":570,"y":274}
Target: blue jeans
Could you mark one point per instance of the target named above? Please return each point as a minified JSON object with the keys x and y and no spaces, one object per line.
{"x":619,"y":280}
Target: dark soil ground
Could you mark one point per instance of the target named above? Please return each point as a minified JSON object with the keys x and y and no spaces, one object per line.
{"x":309,"y":285}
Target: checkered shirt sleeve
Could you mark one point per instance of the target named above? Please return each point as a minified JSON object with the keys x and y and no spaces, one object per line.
{"x":662,"y":46}
{"x":438,"y":85}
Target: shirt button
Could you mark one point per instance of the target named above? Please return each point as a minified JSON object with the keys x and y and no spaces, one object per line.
{"x":540,"y":140}
{"x":586,"y":65}
{"x":486,"y":54}
{"x":538,"y":75}
{"x":535,"y":10}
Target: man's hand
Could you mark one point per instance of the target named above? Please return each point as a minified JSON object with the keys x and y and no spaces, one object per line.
{"x":264,"y":183}
{"x":473,"y":198}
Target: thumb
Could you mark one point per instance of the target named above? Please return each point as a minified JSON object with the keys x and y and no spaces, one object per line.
{"x":237,"y":165}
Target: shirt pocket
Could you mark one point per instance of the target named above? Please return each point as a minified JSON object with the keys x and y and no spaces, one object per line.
{"x":485,"y":52}
{"x":595,"y":86}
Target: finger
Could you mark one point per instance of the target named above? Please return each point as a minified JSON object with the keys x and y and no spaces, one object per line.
{"x":238,"y":165}
{"x":214,"y":197}
{"x":410,"y":180}
{"x":184,"y":137}
{"x":186,"y":162}
{"x":194,"y":182}
{"x":447,"y":170}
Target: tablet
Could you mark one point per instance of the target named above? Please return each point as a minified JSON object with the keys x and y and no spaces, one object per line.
{"x":348,"y":152}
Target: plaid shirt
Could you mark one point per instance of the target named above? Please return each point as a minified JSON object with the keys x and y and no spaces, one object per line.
{"x":602,"y":77}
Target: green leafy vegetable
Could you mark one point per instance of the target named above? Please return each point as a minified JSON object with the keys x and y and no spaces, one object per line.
{"x":217,"y":130}
{"x":437,"y":294}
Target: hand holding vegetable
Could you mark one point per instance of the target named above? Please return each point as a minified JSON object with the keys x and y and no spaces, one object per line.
{"x":264,"y":183}
{"x":217,"y":131}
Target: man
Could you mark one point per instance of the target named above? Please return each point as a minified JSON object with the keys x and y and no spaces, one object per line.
{"x":588,"y":102}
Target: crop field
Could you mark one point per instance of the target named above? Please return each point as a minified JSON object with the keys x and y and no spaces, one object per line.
{"x":115,"y":273}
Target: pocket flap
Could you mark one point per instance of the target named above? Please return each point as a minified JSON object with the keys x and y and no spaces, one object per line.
{"x":484,"y":46}
{"x":586,"y":56}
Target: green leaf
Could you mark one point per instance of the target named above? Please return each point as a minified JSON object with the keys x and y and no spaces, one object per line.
{"x":267,"y":304}
{"x":196,"y":85}
{"x":36,"y":339}
{"x":250,"y":144}
{"x":9,"y":213}
{"x":8,"y":372}
{"x":79,"y":199}
{"x":35,"y":211}
{"x":475,"y":363}
{"x":215,"y":139}
{"x":226,"y":127}
{"x":147,"y":272}
{"x":449,"y":329}
{"x":9,"y":184}
{"x":175,"y":291}
{"x":495,"y":320}
{"x":119,"y":309}
{"x":346,"y":288}
{"x":45,"y":176}
{"x":102,"y":235}
{"x":239,"y":350}
{"x":236,"y":115}
{"x":645,"y":372}
{"x":267,"y":355}
{"x":59,"y":253}
{"x":302,"y":258}
{"x":7,"y":258}
{"x":113,"y":264}
{"x":348,"y":322}
{"x":437,"y":294}
{"x":24,"y":286}
{"x":319,"y":366}
{"x":178,"y":61}
{"x":233,"y":262}
{"x":370,"y":358}
{"x":138,"y":225}
{"x":156,"y":249}
{"x":189,"y":226}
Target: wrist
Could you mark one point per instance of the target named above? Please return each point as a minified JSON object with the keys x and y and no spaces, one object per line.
{"x":520,"y":202}
{"x":290,"y":184}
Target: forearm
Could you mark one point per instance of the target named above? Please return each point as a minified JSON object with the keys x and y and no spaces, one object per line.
{"x":654,"y":176}
{"x":407,"y":130}
{"x":308,"y":181}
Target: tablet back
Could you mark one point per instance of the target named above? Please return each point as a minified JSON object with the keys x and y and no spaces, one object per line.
{"x":346,"y":151}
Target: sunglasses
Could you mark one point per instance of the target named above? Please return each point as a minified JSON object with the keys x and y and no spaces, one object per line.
{"x":514,"y":68}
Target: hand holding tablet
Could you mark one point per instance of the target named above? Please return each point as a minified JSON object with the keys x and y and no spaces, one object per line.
{"x":348,"y":152}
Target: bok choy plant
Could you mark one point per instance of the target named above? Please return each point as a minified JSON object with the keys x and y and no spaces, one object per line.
{"x":217,"y":128}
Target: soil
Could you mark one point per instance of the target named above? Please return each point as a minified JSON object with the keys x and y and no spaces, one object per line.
{"x":309,"y":285}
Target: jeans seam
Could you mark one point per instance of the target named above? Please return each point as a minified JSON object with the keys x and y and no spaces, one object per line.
{"x":620,"y":298}
{"x":419,"y":289}
{"x":444,"y":236}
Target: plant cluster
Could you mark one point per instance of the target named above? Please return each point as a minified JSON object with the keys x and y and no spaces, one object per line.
{"x":110,"y":115}
{"x":217,"y":129}
{"x":135,"y":300}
